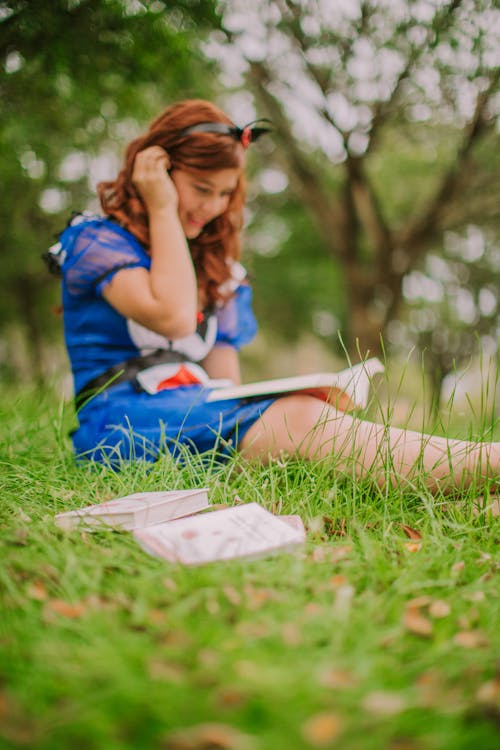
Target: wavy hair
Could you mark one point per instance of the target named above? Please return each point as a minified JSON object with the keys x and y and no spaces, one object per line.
{"x":219,"y":242}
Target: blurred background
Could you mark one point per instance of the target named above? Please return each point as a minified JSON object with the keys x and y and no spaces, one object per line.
{"x":373,"y":221}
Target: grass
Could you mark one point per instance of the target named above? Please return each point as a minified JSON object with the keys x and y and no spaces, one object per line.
{"x":364,"y":640}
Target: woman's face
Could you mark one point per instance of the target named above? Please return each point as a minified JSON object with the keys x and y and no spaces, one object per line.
{"x":203,"y":195}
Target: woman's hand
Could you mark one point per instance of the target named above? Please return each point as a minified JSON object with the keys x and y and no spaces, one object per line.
{"x":152,"y":180}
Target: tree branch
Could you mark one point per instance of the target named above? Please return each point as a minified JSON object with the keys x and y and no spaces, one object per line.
{"x":330,"y":219}
{"x":414,"y":237}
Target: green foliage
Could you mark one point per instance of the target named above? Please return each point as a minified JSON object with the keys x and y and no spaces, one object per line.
{"x":294,"y":280}
{"x":80,"y":79}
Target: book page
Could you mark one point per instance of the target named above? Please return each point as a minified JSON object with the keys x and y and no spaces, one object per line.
{"x":242,"y":531}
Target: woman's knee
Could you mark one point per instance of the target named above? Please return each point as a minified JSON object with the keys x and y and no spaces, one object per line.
{"x":290,"y":424}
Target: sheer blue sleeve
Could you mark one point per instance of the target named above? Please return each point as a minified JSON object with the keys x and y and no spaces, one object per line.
{"x":95,"y":251}
{"x":235,"y":320}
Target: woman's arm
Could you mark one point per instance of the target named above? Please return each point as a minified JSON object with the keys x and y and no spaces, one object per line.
{"x":164,"y":299}
{"x":223,"y":362}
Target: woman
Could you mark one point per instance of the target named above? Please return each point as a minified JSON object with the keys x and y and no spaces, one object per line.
{"x":157,"y":284}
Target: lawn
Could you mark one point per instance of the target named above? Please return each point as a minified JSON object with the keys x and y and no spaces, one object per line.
{"x":381,"y":633}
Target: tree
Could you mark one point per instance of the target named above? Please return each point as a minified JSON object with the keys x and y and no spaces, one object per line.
{"x":80,"y":77}
{"x":453,"y":307}
{"x":385,"y":117}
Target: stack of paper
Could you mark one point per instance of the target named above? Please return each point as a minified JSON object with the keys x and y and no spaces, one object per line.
{"x":243,"y":531}
{"x":136,"y":511}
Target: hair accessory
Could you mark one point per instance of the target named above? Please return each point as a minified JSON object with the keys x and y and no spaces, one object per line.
{"x":245,"y":135}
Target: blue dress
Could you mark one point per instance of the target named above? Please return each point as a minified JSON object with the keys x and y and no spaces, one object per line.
{"x":122,"y":421}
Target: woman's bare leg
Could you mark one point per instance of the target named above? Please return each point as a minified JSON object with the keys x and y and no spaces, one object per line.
{"x":304,"y":426}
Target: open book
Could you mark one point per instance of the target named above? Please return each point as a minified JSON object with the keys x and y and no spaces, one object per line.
{"x":348,"y":389}
{"x":135,"y":511}
{"x":242,"y":531}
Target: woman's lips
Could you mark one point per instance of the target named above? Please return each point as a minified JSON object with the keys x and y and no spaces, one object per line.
{"x":196,"y":222}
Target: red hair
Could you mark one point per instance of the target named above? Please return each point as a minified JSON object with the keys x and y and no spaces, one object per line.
{"x":220,"y":239}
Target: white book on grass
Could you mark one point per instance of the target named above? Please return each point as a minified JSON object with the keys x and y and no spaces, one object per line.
{"x":241,"y":531}
{"x":136,"y":511}
{"x":347,"y":389}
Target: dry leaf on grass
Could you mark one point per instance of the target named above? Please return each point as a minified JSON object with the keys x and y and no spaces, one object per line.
{"x":324,"y":553}
{"x":412,"y":546}
{"x":489,"y":692}
{"x":256,"y":598}
{"x":439,"y":608}
{"x":337,"y":679}
{"x":231,"y":697}
{"x":37,"y":591}
{"x":411,"y":533}
{"x":313,"y":609}
{"x":291,"y":634}
{"x":415,"y":622}
{"x":165,"y":671}
{"x":384,"y":703}
{"x":209,"y":736}
{"x":64,"y":609}
{"x":321,"y":729}
{"x":232,"y":595}
{"x":470,"y":639}
{"x":430,"y":688}
{"x":419,"y":601}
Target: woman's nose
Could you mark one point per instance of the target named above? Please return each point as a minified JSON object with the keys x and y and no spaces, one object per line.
{"x":212,"y":204}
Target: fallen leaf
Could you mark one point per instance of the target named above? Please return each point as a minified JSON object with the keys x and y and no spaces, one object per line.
{"x":457,"y":567}
{"x":489,"y":692}
{"x":411,"y":533}
{"x":256,"y":598}
{"x":231,"y":697}
{"x":291,"y":634}
{"x":156,"y":616}
{"x":439,"y":608}
{"x":413,"y":546}
{"x":212,"y":605}
{"x":324,"y":553}
{"x":208,"y":657}
{"x":37,"y":591}
{"x":321,"y":729}
{"x":318,"y":554}
{"x":251,"y":629}
{"x":232,"y":595}
{"x":430,"y":687}
{"x":415,"y":622}
{"x":475,"y":596}
{"x":65,"y":609}
{"x":313,"y":609}
{"x":470,"y":639}
{"x":165,"y":671}
{"x":209,"y":736}
{"x":469,"y":619}
{"x":418,"y":601}
{"x":337,"y":679}
{"x":384,"y":703}
{"x":248,"y":670}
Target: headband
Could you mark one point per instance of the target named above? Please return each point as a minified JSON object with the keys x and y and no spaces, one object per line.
{"x":245,"y":135}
